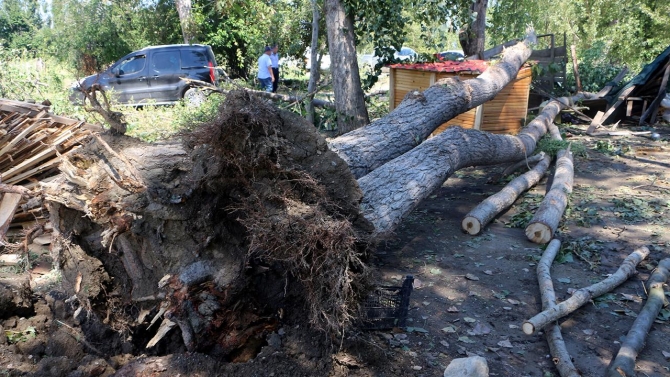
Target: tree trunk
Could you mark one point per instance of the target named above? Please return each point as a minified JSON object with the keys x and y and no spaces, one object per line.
{"x":349,"y":96}
{"x":314,"y":69}
{"x":419,"y":114}
{"x":185,"y":20}
{"x":472,"y":36}
{"x":394,"y":189}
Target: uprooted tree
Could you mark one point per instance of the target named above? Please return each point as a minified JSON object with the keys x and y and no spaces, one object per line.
{"x":252,"y":219}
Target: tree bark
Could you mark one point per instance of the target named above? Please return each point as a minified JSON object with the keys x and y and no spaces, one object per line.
{"x":365,"y":149}
{"x":547,"y":217}
{"x":394,"y":189}
{"x":624,"y":363}
{"x":314,"y":69}
{"x":559,"y":353}
{"x":584,"y":295}
{"x":472,"y":36}
{"x":477,"y":219}
{"x":185,"y":20}
{"x":349,"y":96}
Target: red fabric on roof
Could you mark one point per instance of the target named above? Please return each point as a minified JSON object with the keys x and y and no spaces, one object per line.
{"x":474,"y":66}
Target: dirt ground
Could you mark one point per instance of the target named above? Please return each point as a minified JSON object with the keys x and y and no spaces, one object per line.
{"x":471,"y":294}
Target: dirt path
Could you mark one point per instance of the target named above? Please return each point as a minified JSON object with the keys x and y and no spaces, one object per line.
{"x":471,"y":293}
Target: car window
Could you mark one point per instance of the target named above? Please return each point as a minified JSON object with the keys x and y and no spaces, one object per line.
{"x":166,"y":61}
{"x":132,"y":65}
{"x":405,"y":51}
{"x":191,"y":58}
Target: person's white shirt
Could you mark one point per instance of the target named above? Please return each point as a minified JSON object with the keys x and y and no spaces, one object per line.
{"x":264,"y":67}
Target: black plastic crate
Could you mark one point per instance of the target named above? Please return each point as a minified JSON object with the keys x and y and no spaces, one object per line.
{"x":386,"y":307}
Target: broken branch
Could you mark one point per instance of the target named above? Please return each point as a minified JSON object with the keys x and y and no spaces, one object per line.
{"x":559,"y":354}
{"x":584,"y":295}
{"x":624,"y":363}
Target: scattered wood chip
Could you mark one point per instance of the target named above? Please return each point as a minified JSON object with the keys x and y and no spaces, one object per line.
{"x":505,"y":344}
{"x":471,"y":277}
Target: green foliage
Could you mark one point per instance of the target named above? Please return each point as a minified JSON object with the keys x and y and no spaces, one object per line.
{"x":92,"y":34}
{"x":612,"y":147}
{"x":551,"y":146}
{"x":525,"y":210}
{"x":152,"y":123}
{"x":596,"y":68}
{"x":20,"y":336}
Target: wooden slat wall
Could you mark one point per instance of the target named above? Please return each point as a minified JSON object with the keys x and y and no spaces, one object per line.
{"x":506,"y":113}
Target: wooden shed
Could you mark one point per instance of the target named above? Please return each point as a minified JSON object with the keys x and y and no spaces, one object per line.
{"x":506,"y":113}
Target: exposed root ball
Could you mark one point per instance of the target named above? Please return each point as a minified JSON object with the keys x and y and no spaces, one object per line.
{"x":296,"y":200}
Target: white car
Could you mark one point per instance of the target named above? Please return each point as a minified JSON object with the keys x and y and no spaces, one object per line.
{"x":405,"y":53}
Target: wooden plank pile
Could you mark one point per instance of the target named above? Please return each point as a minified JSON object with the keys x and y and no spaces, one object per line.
{"x":32,"y":141}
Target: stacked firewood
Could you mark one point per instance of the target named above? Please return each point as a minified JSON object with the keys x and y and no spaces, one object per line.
{"x":32,"y":141}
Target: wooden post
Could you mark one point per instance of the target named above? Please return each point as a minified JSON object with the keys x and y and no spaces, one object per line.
{"x":574,"y":67}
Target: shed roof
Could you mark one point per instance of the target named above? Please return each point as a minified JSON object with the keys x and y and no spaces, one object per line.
{"x":467,"y":66}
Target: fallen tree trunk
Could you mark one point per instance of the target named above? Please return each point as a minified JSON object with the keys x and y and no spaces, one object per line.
{"x":545,"y":221}
{"x":476,"y":220}
{"x":559,"y":354}
{"x":394,"y":189}
{"x":624,"y":363}
{"x":367,"y":148}
{"x":584,"y":295}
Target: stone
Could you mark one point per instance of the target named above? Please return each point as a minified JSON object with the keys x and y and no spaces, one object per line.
{"x":475,"y":366}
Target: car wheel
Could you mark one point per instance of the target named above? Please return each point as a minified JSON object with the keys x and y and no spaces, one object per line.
{"x":194,"y":97}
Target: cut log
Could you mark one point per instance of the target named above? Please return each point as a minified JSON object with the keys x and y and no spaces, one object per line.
{"x":544,"y":223}
{"x":477,"y":219}
{"x":624,"y":363}
{"x":559,"y":354}
{"x":584,"y":295}
{"x":419,"y":114}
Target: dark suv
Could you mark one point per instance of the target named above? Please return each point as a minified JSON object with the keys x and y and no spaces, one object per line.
{"x":154,"y":75}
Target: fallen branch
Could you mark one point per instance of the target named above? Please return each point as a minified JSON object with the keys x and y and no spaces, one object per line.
{"x":584,"y":295}
{"x":526,"y":162}
{"x":559,"y":354}
{"x":113,"y":118}
{"x":481,"y":215}
{"x":545,"y":221}
{"x":624,"y":363}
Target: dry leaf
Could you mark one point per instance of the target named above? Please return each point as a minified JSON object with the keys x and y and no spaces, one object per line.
{"x":588,"y":332}
{"x":471,"y":277}
{"x":465,"y":339}
{"x":666,"y":354}
{"x":77,"y":283}
{"x":513,"y":302}
{"x":449,"y":329}
{"x":505,"y":344}
{"x":480,"y":329}
{"x":452,"y":309}
{"x":488,"y":272}
{"x":469,"y":320}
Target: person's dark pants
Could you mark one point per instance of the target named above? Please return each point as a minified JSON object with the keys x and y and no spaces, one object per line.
{"x":275,"y":84}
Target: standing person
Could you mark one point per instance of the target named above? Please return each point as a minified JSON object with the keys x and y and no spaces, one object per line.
{"x":265,"y":74}
{"x":275,"y":67}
